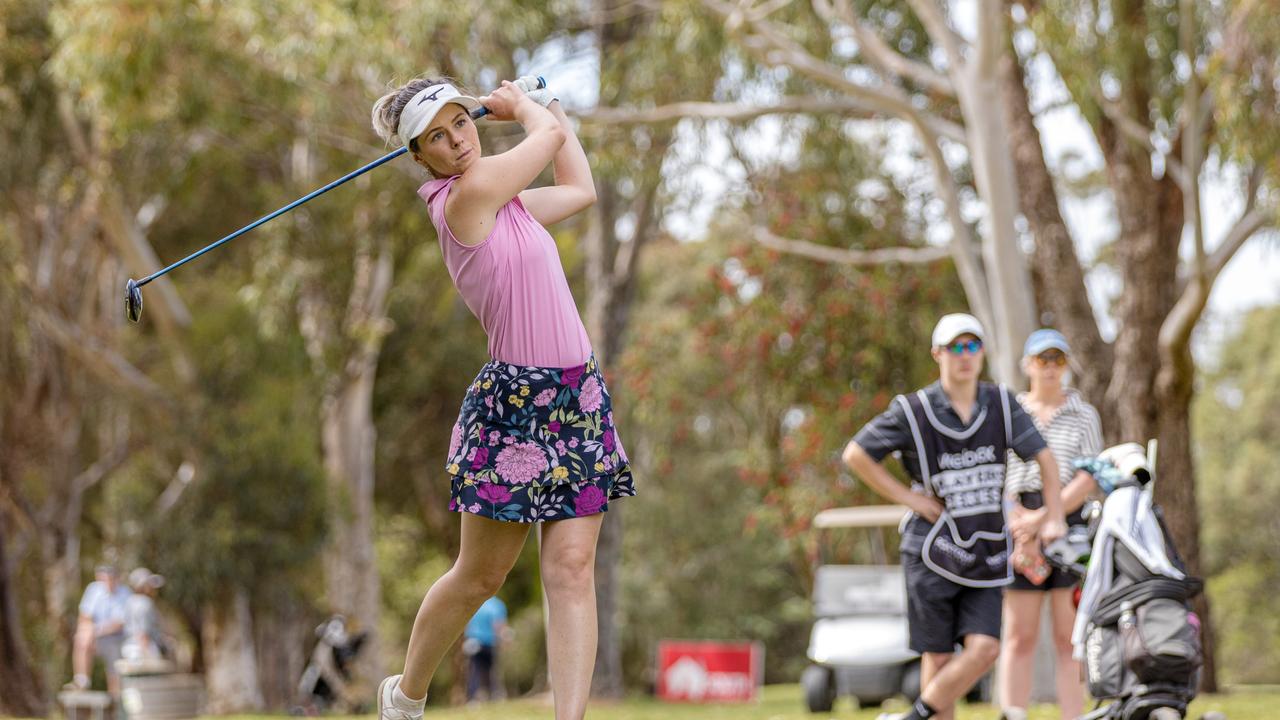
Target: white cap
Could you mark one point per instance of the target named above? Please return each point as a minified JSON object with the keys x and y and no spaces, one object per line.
{"x":953,"y":326}
{"x":424,"y":105}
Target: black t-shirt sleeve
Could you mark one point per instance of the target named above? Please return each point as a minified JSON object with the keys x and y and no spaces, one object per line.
{"x":1027,"y":441}
{"x":886,"y":433}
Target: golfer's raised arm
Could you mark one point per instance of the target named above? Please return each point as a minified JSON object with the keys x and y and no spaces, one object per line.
{"x":493,"y":181}
{"x":575,"y":190}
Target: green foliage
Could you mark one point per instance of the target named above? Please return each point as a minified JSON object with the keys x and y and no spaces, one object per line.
{"x":254,"y":515}
{"x":1245,"y":80}
{"x":746,"y":374}
{"x":1122,"y":51}
{"x":1236,"y":426}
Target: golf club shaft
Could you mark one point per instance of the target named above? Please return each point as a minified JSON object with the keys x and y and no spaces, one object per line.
{"x":476,"y":114}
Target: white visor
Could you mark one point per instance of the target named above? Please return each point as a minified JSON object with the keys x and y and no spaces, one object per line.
{"x":422,"y":109}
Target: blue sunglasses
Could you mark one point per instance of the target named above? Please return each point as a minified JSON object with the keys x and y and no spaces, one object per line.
{"x":972,"y":347}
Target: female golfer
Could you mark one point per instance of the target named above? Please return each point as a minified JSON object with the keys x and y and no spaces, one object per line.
{"x":1071,"y":428}
{"x":535,"y":439}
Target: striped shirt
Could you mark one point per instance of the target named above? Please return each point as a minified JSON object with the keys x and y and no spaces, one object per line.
{"x":1073,"y":432}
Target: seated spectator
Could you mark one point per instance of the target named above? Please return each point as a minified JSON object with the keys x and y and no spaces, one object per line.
{"x":144,"y":636}
{"x":99,"y":629}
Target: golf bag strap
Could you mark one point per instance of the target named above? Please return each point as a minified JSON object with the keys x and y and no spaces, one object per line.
{"x":1108,"y":612}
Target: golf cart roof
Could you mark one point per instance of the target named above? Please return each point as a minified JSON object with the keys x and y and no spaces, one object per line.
{"x":865,"y":516}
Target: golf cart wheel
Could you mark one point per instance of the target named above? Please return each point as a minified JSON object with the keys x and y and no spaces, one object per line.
{"x":819,"y":685}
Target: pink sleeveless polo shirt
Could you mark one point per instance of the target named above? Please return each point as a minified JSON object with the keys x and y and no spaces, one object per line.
{"x":514,"y":284}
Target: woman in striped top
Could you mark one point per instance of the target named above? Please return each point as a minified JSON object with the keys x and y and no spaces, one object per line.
{"x":1072,"y":429}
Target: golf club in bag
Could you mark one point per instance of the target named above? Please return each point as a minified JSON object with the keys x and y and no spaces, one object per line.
{"x":133,"y":288}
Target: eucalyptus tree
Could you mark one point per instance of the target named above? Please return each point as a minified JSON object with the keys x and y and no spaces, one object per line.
{"x":1164,"y":88}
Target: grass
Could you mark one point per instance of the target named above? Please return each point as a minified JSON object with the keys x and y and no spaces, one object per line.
{"x":784,"y":702}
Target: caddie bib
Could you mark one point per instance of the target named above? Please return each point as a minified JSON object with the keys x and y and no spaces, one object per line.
{"x":964,"y":469}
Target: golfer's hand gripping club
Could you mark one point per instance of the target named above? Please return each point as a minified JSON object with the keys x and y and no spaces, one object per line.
{"x":133,"y":288}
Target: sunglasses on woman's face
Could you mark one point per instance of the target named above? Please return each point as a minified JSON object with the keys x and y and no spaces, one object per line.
{"x":1047,"y":359}
{"x":960,"y":348}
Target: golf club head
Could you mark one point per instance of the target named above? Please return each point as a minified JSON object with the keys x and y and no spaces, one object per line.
{"x":132,"y":300}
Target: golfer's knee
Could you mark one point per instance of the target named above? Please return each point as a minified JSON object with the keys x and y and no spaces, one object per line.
{"x":480,"y":582}
{"x":569,"y":570}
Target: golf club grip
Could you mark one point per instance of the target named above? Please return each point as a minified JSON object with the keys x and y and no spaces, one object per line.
{"x":482,"y":110}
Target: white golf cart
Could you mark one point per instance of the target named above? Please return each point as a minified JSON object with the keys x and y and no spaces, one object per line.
{"x":858,"y":645}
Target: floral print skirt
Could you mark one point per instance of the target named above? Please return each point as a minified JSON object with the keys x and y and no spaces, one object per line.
{"x":537,"y":443}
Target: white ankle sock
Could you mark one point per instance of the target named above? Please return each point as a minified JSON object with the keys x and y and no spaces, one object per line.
{"x":405,"y":703}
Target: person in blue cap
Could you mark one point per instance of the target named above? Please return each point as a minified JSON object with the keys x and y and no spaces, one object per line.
{"x":1072,"y":429}
{"x":952,"y":437}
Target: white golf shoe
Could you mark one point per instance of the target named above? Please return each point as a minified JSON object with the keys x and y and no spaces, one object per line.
{"x":387,"y":709}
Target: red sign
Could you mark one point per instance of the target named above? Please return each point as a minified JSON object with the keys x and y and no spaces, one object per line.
{"x":709,"y":671}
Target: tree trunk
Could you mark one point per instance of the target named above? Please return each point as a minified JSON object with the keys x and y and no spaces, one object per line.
{"x":231,"y":668}
{"x":601,"y":248}
{"x":283,"y":637}
{"x":1176,"y":489}
{"x":611,"y":266}
{"x":21,"y":691}
{"x":1056,"y":273}
{"x":351,"y":573}
{"x":348,"y":437}
{"x":979,"y":89}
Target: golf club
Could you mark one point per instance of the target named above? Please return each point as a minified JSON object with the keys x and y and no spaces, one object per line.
{"x":133,"y":288}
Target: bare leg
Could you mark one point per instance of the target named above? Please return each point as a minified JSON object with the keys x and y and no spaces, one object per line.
{"x":1067,"y":668}
{"x":931,"y":664}
{"x":954,"y":680}
{"x":82,"y":648}
{"x":489,"y":549}
{"x":1017,"y":655}
{"x":568,"y":578}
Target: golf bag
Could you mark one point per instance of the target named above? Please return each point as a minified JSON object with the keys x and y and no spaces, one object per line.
{"x":1135,"y":631}
{"x":321,"y":687}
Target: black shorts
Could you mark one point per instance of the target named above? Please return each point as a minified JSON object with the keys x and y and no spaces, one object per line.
{"x":1058,"y":579}
{"x":941,"y":613}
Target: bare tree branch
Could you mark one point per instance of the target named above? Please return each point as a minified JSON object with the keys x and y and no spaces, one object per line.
{"x":849,"y":256}
{"x":1141,"y":134}
{"x":174,"y":490}
{"x":100,"y":359}
{"x":746,"y":111}
{"x":1176,"y":329}
{"x":777,"y":49}
{"x":875,"y":49}
{"x":990,"y":37}
{"x":935,"y":23}
{"x":170,"y":312}
{"x":969,"y":265}
{"x":1193,"y":151}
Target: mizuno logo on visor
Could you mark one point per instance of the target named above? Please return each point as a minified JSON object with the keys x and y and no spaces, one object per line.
{"x":433,"y":95}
